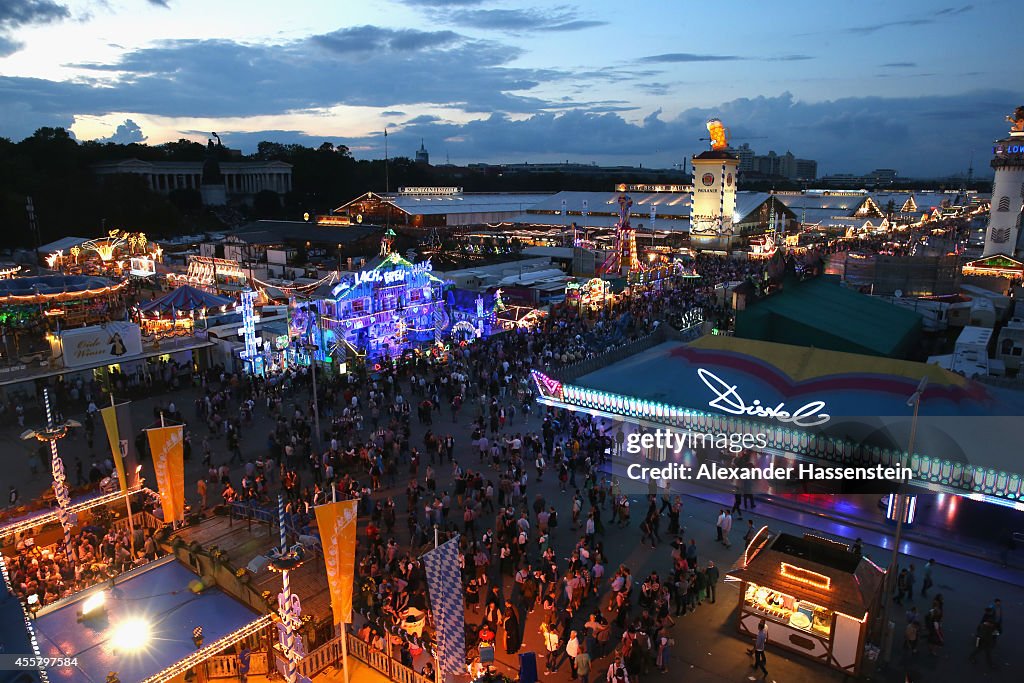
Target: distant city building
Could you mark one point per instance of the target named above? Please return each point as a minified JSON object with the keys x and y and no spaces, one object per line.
{"x":422,"y":155}
{"x":879,"y":176}
{"x":616,"y":172}
{"x":773,"y":165}
{"x":241,"y":179}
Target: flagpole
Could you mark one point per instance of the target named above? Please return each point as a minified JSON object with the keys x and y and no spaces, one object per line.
{"x":438,"y":675}
{"x":124,"y":484}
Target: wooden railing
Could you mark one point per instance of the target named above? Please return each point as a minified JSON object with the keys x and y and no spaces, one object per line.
{"x":361,"y":650}
{"x":142,"y":520}
{"x":383,"y":662}
{"x":226,"y":666}
{"x":319,"y":659}
{"x":329,"y":654}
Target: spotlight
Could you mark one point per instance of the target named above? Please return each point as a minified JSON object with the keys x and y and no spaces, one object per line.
{"x":131,"y":635}
{"x":197,"y":636}
{"x":94,"y":606}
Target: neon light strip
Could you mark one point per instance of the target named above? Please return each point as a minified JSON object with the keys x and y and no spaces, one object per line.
{"x":746,"y":553}
{"x":578,"y":398}
{"x":805,"y":576}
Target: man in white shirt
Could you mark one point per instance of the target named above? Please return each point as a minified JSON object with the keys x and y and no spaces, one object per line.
{"x":726,"y":528}
{"x":572,"y":648}
{"x":718,"y":525}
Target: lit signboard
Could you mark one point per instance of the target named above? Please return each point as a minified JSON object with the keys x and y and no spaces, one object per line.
{"x":142,"y":266}
{"x":430,"y":190}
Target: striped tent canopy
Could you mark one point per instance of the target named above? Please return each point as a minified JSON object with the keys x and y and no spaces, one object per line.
{"x":185,"y":298}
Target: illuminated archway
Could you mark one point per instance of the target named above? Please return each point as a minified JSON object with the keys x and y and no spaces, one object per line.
{"x":463,"y":330}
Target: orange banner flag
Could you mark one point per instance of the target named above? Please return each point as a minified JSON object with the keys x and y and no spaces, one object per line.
{"x":167,"y":446}
{"x":337,"y":525}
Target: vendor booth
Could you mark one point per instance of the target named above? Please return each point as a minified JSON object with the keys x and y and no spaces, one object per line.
{"x":815,"y":593}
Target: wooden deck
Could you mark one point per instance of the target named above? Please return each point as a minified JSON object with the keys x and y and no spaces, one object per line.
{"x":241,"y":542}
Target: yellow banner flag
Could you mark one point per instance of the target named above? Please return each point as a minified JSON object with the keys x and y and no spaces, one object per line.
{"x":114,"y":437}
{"x":337,"y":525}
{"x":167,"y":446}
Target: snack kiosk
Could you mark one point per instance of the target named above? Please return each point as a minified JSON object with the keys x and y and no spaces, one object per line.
{"x":815,"y":594}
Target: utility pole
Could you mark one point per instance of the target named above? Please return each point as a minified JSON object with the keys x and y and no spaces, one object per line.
{"x":33,"y":226}
{"x":901,"y":512}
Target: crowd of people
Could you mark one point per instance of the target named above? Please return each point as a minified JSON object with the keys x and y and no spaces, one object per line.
{"x":98,"y":553}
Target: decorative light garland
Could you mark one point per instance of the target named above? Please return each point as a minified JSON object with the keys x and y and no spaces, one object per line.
{"x":805,"y":576}
{"x":211,"y":650}
{"x":30,"y":628}
{"x":50,"y":517}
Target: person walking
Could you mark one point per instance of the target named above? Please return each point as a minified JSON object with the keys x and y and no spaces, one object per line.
{"x":902,"y":581}
{"x":711,"y":580}
{"x":718,"y":525}
{"x":583,"y":665}
{"x":664,"y":644}
{"x":912,"y":632}
{"x":759,"y":645}
{"x":926,"y":582}
{"x":727,"y":529}
{"x":984,"y":639}
{"x":572,"y":649}
{"x":551,"y":643}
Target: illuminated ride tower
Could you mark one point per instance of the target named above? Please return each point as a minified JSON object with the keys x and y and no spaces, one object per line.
{"x":714,"y":193}
{"x":1004,"y":235}
{"x":624,"y":260}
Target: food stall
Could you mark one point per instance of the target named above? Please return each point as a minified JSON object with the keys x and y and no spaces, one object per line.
{"x":815,"y":593}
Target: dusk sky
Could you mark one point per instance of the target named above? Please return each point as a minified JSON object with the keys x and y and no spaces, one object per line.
{"x":915,"y":85}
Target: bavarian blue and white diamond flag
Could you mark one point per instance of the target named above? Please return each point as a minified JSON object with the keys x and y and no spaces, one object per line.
{"x":444,"y":579}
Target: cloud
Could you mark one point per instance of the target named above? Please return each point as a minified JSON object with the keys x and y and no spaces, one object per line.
{"x":442,"y":3}
{"x":374,"y":38}
{"x":126,"y":133}
{"x":8,"y":46}
{"x":425,"y":118}
{"x":17,"y":13}
{"x":160,"y":3}
{"x":517,"y":20}
{"x":953,"y":11}
{"x":884,"y":130}
{"x":381,"y":67}
{"x":392,"y":112}
{"x":923,"y":20}
{"x":14,"y":13}
{"x":900,"y":65}
{"x":687,"y":57}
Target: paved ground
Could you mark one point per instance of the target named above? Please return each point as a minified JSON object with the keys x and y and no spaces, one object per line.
{"x":708,"y":647}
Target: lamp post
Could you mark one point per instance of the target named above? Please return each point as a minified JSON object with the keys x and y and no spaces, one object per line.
{"x":901,"y":512}
{"x":51,"y":433}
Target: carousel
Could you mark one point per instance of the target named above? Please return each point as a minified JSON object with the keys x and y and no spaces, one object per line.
{"x":32,"y":308}
{"x":177,"y":313}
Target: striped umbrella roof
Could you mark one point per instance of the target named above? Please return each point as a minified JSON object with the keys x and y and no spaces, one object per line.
{"x":185,"y":298}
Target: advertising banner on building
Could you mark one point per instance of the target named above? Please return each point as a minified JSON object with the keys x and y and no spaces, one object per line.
{"x":99,"y":344}
{"x":167,"y":448}
{"x":337,"y":525}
